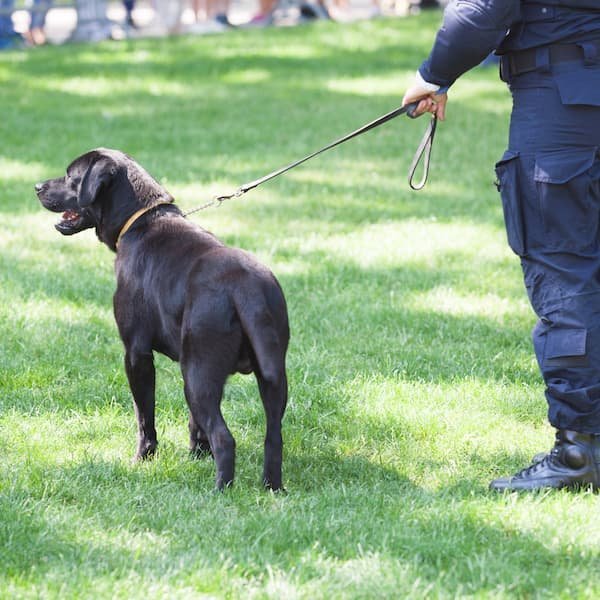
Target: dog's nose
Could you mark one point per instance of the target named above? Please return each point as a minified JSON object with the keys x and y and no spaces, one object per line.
{"x":39,"y":187}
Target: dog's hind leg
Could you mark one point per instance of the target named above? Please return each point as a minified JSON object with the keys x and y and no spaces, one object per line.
{"x":141,"y":375}
{"x":203,"y":394}
{"x":274,"y":396}
{"x":205,"y":370}
{"x":267,"y":328}
{"x":210,"y":346}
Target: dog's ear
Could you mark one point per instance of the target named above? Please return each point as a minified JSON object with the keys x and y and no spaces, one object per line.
{"x":98,"y":174}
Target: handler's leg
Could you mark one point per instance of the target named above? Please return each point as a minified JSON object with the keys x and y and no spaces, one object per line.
{"x":550,"y":186}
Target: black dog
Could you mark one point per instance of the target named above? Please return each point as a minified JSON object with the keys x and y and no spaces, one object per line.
{"x":183,"y":293}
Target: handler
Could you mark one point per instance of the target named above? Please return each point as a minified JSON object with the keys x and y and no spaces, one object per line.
{"x":549,"y":181}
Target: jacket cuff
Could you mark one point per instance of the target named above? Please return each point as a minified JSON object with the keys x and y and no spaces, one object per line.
{"x":420,"y":81}
{"x":430,"y":78}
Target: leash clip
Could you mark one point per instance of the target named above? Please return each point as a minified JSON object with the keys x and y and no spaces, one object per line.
{"x":221,"y":199}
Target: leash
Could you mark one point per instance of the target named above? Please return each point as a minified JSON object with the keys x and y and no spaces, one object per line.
{"x":423,"y":150}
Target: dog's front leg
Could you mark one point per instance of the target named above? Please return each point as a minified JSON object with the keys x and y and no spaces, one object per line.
{"x":141,"y":375}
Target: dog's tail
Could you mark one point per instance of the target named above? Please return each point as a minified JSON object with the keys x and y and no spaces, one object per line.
{"x":263,"y":315}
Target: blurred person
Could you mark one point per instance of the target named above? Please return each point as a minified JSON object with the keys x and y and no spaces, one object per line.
{"x":264,"y":17}
{"x":341,"y":10}
{"x":314,"y":10}
{"x":549,"y":181}
{"x":36,"y":35}
{"x":93,"y":24}
{"x":129,"y":5}
{"x":9,"y":38}
{"x":211,"y":15}
{"x":167,"y":17}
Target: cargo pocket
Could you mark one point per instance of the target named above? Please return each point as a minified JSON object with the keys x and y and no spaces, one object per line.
{"x":507,"y":172}
{"x":565,"y":348}
{"x":579,"y":85}
{"x":568,"y":189}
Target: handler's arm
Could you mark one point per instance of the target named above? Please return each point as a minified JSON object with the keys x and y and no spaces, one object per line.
{"x":470,"y":31}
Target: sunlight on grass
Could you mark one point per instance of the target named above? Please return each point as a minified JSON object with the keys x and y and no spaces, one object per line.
{"x":13,"y":170}
{"x":411,"y":240}
{"x":451,"y":301}
{"x":108,"y":54}
{"x":581,"y":540}
{"x":101,"y":87}
{"x":491,"y":96}
{"x":289,"y":49}
{"x":370,"y":86}
{"x":40,"y":314}
{"x":70,"y":439}
{"x":247,"y":76}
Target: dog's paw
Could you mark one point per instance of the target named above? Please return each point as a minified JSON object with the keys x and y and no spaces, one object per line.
{"x":276,"y":489}
{"x":222,"y":485}
{"x":145,"y":451}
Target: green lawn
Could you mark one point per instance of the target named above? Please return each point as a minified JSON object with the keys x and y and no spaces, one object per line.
{"x":412,"y":377}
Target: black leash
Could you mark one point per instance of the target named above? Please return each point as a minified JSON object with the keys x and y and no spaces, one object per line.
{"x":424,"y":150}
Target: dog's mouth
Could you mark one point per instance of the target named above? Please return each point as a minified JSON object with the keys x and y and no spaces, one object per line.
{"x":70,"y":222}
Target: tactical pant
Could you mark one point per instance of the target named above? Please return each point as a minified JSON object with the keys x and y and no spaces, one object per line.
{"x":549,"y":180}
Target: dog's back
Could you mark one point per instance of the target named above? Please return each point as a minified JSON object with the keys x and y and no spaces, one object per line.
{"x":185,"y":274}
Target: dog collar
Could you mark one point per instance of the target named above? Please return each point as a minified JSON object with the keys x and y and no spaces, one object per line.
{"x":133,"y":218}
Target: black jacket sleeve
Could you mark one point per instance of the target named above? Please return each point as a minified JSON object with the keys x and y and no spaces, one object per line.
{"x":470,"y":31}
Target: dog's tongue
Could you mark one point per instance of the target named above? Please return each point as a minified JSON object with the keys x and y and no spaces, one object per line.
{"x":70,"y":215}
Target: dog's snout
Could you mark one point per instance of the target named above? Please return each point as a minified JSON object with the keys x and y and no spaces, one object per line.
{"x":39,"y":187}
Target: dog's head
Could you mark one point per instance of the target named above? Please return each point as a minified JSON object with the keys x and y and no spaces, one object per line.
{"x":103,"y":189}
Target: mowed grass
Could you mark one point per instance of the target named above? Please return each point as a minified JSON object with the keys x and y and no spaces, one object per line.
{"x":412,"y":378}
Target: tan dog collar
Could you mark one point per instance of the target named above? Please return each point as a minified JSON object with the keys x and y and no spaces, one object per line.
{"x":133,"y":218}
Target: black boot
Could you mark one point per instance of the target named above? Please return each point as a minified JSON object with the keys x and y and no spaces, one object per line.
{"x":574,"y":462}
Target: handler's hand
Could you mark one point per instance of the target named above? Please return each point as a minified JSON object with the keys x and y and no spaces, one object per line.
{"x":428,"y":101}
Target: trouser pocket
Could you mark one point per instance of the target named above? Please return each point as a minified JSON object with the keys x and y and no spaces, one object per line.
{"x":564,"y":348}
{"x":507,"y":172}
{"x":568,"y":191}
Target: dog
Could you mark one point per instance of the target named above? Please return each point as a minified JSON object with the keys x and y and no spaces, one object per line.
{"x":181,"y":292}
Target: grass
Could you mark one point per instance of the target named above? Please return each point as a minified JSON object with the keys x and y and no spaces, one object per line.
{"x":412,"y":378}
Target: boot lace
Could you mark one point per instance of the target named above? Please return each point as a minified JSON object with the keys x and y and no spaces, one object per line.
{"x":540,"y":462}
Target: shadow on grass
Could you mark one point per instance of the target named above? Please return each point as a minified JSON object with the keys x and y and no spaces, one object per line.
{"x":103,"y":519}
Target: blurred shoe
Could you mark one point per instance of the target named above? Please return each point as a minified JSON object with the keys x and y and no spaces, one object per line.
{"x":261,"y":20}
{"x":224,"y":20}
{"x":313,"y":11}
{"x":129,"y":22}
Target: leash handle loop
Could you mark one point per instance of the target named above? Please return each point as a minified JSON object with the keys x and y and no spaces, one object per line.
{"x":423,"y":151}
